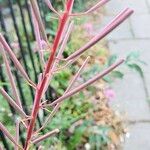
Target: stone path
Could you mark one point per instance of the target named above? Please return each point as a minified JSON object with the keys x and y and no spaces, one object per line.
{"x":133,"y":35}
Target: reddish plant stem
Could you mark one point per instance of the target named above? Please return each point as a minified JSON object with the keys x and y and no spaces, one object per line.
{"x":40,"y":90}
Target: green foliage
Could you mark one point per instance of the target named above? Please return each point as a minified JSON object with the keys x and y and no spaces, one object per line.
{"x":137,"y":68}
{"x":94,"y":69}
{"x":117,"y":74}
{"x":71,"y":111}
{"x":99,"y":136}
{"x":112,"y":59}
{"x":60,"y":81}
{"x":76,"y":138}
{"x":3,"y":84}
{"x":134,"y":62}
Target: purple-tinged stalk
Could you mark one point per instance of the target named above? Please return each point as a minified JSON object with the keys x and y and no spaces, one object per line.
{"x":1,"y":147}
{"x":70,"y":62}
{"x":68,"y":10}
{"x":38,"y":18}
{"x":38,"y":37}
{"x":70,"y":85}
{"x":48,"y":3}
{"x":15,"y":60}
{"x":111,"y":26}
{"x":56,"y":50}
{"x":61,"y":49}
{"x":84,"y":85}
{"x":47,"y":135}
{"x":12,"y":103}
{"x":41,"y":89}
{"x":11,"y":79}
{"x":9,"y":136}
{"x":59,"y":55}
{"x":65,"y":40}
{"x":17,"y":134}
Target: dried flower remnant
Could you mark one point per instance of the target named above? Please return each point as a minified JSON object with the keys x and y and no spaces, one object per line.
{"x":56,"y":49}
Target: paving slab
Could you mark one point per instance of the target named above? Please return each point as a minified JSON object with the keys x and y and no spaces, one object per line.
{"x":130,"y":98}
{"x":131,"y":101}
{"x":147,"y":79}
{"x":139,"y":137}
{"x":124,"y":47}
{"x":115,"y":6}
{"x":148,"y":4}
{"x":141,"y":25}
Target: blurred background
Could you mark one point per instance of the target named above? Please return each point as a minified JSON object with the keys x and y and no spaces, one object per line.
{"x":111,"y":114}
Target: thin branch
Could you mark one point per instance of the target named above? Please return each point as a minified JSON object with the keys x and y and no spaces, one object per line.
{"x":36,"y":10}
{"x":47,"y":135}
{"x":48,"y":3}
{"x":15,"y":60}
{"x":11,"y":79}
{"x":17,"y":134}
{"x":9,"y":136}
{"x":65,"y":66}
{"x":111,"y":26}
{"x":1,"y":147}
{"x":25,"y":121}
{"x":84,"y":85}
{"x":38,"y":38}
{"x":62,"y":47}
{"x":65,"y":40}
{"x":12,"y":103}
{"x":46,"y":75}
{"x":66,"y":28}
{"x":77,"y":75}
{"x":53,"y":17}
{"x":54,"y":111}
{"x":56,"y":61}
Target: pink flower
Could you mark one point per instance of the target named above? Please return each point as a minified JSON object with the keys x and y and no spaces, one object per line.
{"x":109,"y":93}
{"x":44,"y":44}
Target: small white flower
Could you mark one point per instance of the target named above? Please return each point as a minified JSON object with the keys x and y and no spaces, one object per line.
{"x":128,"y":135}
{"x":87,"y":146}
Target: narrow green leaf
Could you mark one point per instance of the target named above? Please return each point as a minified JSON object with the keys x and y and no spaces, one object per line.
{"x":137,"y":68}
{"x":117,"y":74}
{"x":112,"y":59}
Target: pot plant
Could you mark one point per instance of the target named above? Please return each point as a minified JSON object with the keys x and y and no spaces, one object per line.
{"x":50,"y":68}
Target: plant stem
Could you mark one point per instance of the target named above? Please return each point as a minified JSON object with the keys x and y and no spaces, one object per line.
{"x":41,"y":89}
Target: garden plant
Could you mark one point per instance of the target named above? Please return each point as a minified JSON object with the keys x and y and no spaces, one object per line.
{"x":51,"y":67}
